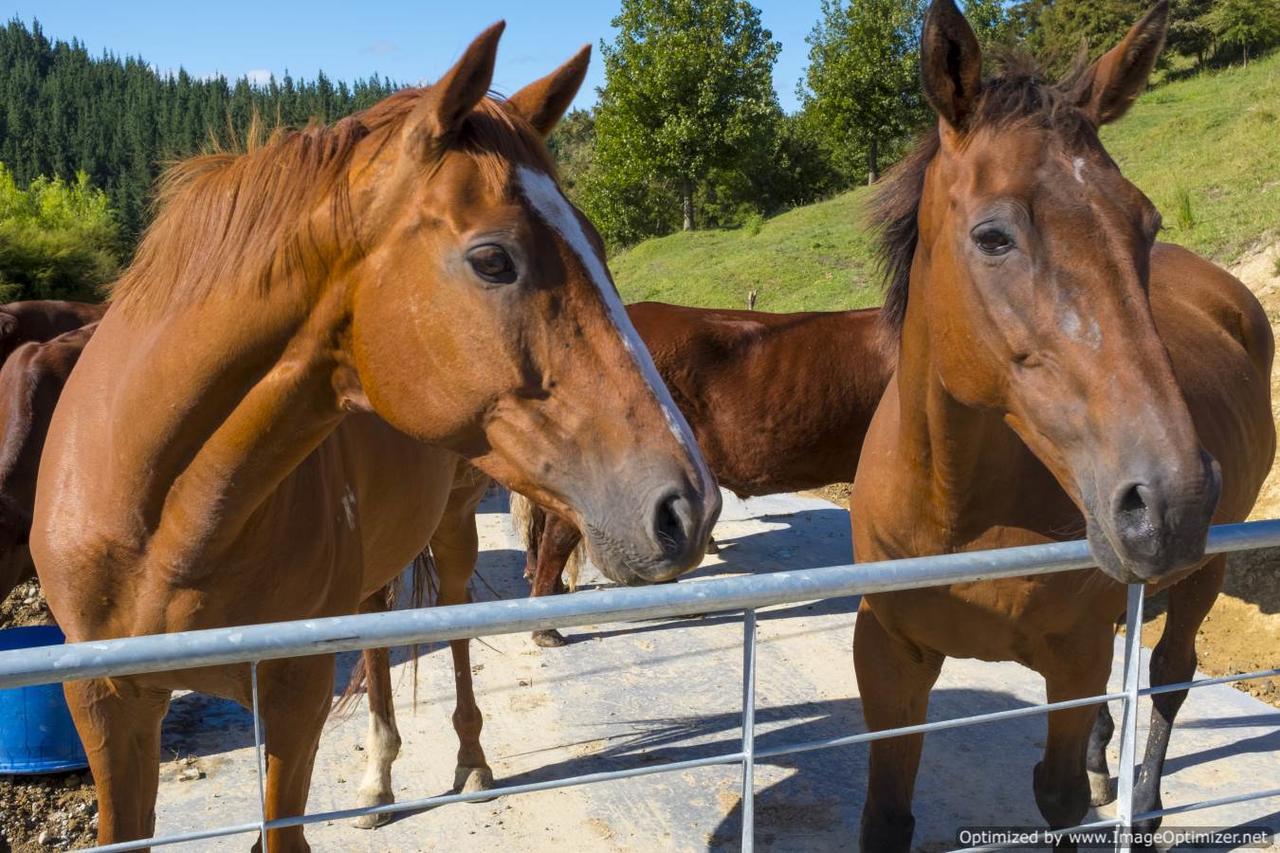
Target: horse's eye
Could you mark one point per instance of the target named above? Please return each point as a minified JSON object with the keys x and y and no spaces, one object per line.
{"x":492,"y":263}
{"x":992,"y":240}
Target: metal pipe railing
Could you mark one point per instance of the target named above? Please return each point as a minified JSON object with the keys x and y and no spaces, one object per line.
{"x":255,"y":643}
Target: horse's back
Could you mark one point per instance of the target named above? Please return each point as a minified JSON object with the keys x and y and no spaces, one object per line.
{"x":1222,"y":346}
{"x":779,"y":402}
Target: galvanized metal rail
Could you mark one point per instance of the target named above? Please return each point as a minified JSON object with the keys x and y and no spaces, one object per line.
{"x":255,"y":643}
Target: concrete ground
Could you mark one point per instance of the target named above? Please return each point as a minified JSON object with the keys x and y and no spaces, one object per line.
{"x":627,"y":695}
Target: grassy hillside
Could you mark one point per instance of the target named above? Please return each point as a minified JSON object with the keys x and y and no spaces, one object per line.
{"x":1207,"y":146}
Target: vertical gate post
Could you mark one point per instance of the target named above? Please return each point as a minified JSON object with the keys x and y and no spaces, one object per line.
{"x":1129,"y":724}
{"x":261,"y":758}
{"x":748,"y":729}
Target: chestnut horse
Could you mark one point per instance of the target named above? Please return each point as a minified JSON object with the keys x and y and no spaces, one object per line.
{"x":775,"y":403}
{"x":1058,"y":372}
{"x":31,"y":381}
{"x":270,"y":419}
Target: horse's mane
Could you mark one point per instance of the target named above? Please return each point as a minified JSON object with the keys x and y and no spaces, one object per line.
{"x":241,"y":222}
{"x":1018,"y":93}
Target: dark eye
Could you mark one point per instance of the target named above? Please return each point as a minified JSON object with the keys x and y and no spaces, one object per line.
{"x":492,"y":263}
{"x":992,"y":240}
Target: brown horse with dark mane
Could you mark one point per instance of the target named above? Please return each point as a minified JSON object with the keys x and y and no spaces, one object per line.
{"x":1059,"y":372}
{"x":271,"y":419}
{"x":31,"y":380}
{"x":778,"y":403}
{"x":41,"y":320}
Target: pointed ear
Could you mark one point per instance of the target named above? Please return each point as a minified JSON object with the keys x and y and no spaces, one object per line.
{"x":543,"y":102}
{"x":1109,"y":87}
{"x":454,"y":95}
{"x":950,"y":63}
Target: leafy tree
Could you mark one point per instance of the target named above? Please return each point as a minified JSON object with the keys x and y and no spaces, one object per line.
{"x":58,"y":239}
{"x":1188,"y":33}
{"x":1246,"y":23}
{"x":688,"y":90}
{"x":572,"y":144}
{"x":993,"y":23}
{"x":861,"y":89}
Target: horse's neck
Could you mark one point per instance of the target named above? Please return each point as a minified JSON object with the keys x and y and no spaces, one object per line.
{"x":960,"y":477}
{"x":221,"y":406}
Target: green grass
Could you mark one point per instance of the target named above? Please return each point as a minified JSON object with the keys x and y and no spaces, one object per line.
{"x":1208,"y":146}
{"x":1206,"y":150}
{"x":813,"y":257}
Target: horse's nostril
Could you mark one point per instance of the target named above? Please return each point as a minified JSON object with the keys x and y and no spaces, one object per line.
{"x":1136,"y":517}
{"x":671,"y":523}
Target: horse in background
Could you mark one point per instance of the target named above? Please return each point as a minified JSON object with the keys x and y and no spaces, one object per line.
{"x":31,"y":381}
{"x":777,"y":402}
{"x":1059,"y":372}
{"x":270,"y":420}
{"x":41,"y":320}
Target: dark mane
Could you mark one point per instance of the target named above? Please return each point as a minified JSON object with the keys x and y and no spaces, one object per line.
{"x":1018,"y":94}
{"x":242,"y":222}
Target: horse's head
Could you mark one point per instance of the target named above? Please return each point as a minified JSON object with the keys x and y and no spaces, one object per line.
{"x":484,"y":319}
{"x":1029,"y":290}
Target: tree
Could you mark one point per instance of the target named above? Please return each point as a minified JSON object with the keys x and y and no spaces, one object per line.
{"x":572,"y":144}
{"x":861,"y":89}
{"x":688,"y":89}
{"x":1059,"y":29}
{"x":993,"y":23}
{"x":58,"y":239}
{"x":63,"y":111}
{"x":1247,"y":23}
{"x":1188,"y":33}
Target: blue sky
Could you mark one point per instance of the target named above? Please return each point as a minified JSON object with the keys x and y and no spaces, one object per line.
{"x":407,"y":41}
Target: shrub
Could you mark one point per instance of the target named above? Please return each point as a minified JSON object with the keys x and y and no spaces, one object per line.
{"x":58,"y":240}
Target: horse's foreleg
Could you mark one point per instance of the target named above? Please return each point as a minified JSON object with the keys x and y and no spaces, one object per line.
{"x":294,"y":700}
{"x":558,"y":541}
{"x":1101,"y":791}
{"x":1060,"y":780}
{"x":455,"y":547}
{"x":894,"y":681}
{"x":119,"y":725}
{"x":1173,"y":660}
{"x":382,"y":743}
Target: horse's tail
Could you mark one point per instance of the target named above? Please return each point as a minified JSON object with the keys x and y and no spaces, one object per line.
{"x":573,"y":566}
{"x":424,"y":591}
{"x":529,"y":520}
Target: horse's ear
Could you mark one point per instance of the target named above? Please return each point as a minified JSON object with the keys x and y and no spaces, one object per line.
{"x":543,"y":102}
{"x":1109,"y":87}
{"x":456,"y":94}
{"x":950,"y":63}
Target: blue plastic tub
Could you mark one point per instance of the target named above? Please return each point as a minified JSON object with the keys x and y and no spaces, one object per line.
{"x":36,"y":732}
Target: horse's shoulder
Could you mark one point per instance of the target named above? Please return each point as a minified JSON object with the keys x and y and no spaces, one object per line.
{"x":1189,"y":286}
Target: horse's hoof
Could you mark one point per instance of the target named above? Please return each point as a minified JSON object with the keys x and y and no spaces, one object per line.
{"x":1102,"y":791}
{"x":712,"y":547}
{"x":468,"y":780}
{"x":552,"y":639}
{"x":373,"y":821}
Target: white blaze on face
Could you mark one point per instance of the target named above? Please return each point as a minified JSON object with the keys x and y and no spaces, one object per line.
{"x":554,"y":209}
{"x":1077,"y":168}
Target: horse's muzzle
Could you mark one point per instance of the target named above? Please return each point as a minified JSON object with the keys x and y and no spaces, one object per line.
{"x":1154,"y":524}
